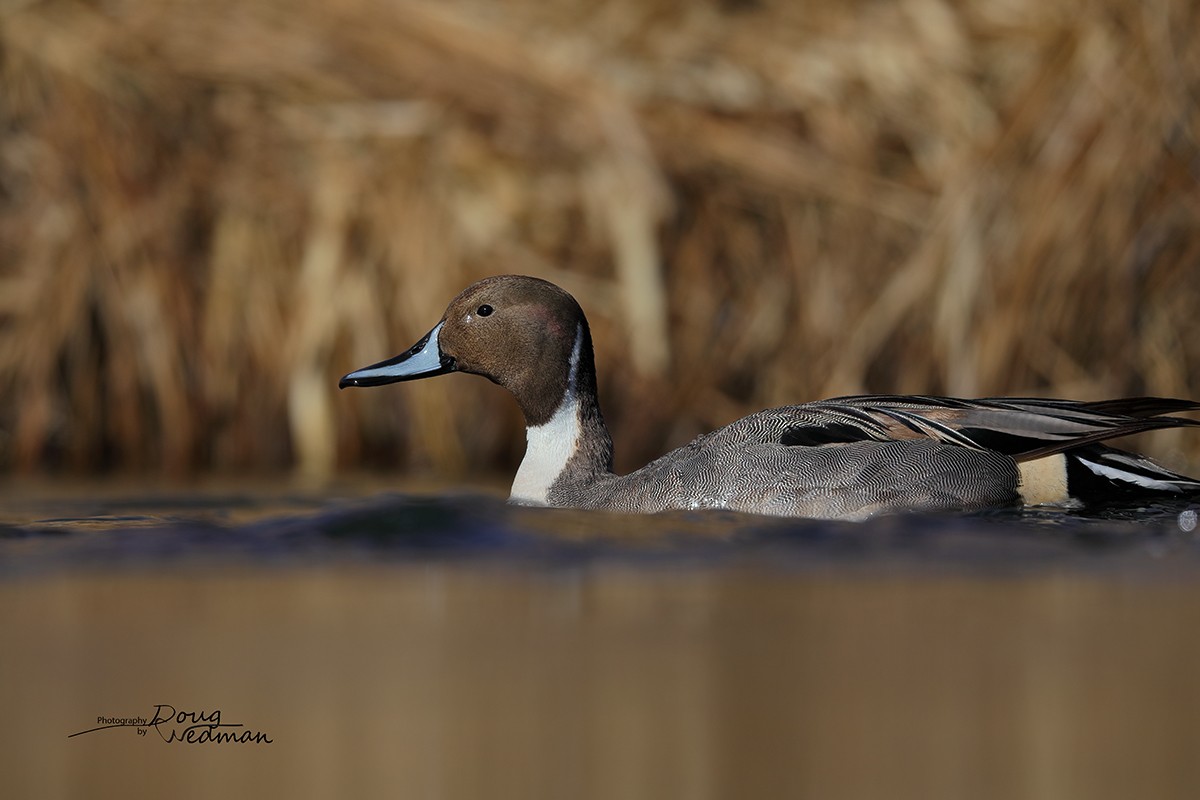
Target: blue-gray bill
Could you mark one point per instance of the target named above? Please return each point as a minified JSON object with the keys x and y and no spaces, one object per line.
{"x":423,"y":360}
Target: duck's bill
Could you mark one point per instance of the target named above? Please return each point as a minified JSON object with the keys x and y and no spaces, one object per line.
{"x":423,"y":360}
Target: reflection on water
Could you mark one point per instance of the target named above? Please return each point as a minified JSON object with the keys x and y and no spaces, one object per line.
{"x":456,"y":647}
{"x":179,"y":530}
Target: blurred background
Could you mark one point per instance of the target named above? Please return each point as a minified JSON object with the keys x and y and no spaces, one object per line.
{"x":209,"y":211}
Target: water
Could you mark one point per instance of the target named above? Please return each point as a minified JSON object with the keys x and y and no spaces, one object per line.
{"x":448,"y":645}
{"x":178,"y":530}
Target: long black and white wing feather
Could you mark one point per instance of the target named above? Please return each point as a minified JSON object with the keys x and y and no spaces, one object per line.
{"x":1025,"y":429}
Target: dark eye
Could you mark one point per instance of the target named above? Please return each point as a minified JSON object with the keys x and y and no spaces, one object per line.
{"x":484,"y":310}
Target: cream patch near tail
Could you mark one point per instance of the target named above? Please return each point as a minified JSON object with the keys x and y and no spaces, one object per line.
{"x":1043,"y":481}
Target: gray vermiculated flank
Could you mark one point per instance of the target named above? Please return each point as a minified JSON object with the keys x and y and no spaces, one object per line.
{"x":743,"y":467}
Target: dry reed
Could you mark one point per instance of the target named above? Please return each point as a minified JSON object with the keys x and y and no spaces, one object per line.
{"x":210,"y":210}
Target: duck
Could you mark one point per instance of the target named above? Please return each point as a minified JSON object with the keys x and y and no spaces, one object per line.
{"x":846,"y":458}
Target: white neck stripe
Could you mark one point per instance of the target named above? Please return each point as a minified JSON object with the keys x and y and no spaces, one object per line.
{"x":550,"y":446}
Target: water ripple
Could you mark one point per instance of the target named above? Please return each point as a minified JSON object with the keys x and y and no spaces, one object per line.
{"x":190,"y":530}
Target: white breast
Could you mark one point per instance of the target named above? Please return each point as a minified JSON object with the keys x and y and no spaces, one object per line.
{"x":549,"y":447}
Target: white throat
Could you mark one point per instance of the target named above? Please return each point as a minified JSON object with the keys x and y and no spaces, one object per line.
{"x":548,"y":447}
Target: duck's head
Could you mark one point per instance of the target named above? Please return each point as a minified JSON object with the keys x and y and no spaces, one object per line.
{"x":523,"y":333}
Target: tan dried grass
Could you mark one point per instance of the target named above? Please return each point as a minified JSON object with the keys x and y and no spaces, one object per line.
{"x":208,"y":211}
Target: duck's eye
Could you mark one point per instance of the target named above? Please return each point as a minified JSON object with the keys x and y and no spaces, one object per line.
{"x":484,"y":310}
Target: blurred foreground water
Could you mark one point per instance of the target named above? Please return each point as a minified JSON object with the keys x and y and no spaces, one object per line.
{"x":451,"y":646}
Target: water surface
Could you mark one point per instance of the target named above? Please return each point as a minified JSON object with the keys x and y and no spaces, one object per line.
{"x":181,"y":529}
{"x":448,"y":645}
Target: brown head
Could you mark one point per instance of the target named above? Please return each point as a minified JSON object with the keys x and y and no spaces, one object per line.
{"x":517,"y":331}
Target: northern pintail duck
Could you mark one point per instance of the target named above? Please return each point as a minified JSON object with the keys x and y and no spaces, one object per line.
{"x":847,"y":458}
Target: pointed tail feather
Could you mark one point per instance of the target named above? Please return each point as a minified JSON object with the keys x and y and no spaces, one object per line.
{"x":1125,"y":428}
{"x":1142,"y":406}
